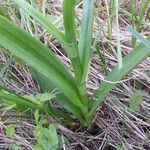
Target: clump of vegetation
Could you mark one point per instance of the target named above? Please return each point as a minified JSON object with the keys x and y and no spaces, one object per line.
{"x":68,"y":87}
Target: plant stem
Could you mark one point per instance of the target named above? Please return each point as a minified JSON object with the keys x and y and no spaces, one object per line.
{"x":69,"y":25}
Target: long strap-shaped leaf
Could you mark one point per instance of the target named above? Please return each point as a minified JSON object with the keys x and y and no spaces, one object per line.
{"x":138,"y":36}
{"x":24,"y":103}
{"x":69,"y":20}
{"x":86,"y":36}
{"x":70,"y":35}
{"x":38,"y":56}
{"x":20,"y":101}
{"x":132,"y":59}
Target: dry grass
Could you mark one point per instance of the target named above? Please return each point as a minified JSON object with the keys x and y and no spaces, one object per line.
{"x":115,"y":126}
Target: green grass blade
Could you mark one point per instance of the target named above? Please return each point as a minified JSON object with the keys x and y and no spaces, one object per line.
{"x":86,"y":36}
{"x":138,"y":36}
{"x":39,"y":57}
{"x":102,"y":57}
{"x":132,"y":5}
{"x":118,"y":37}
{"x":132,"y":59}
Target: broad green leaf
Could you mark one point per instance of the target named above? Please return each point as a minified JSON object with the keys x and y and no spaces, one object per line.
{"x":38,"y":56}
{"x":136,"y":56}
{"x":86,"y":37}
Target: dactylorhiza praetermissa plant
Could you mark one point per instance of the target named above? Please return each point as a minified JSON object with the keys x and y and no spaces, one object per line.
{"x":72,"y":89}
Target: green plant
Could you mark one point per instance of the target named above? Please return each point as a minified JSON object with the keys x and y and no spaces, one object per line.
{"x":138,"y":15}
{"x":135,"y":100}
{"x":72,"y":88}
{"x":46,"y":138}
{"x":10,"y":130}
